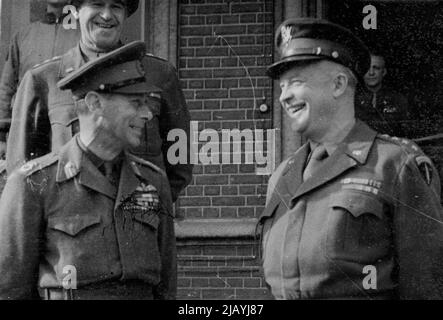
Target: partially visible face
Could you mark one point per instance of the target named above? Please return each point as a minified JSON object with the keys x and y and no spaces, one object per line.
{"x":101,"y":23}
{"x":57,"y":2}
{"x":125,"y":117}
{"x":376,"y":72}
{"x":306,"y":93}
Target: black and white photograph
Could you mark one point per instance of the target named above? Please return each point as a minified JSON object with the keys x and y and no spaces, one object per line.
{"x":221,"y":150}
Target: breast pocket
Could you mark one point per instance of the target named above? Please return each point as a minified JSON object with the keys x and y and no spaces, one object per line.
{"x":151,"y":141}
{"x":357,"y":227}
{"x":73,"y":225}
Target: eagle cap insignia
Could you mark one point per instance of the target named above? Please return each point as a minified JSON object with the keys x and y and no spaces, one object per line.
{"x":286,"y":34}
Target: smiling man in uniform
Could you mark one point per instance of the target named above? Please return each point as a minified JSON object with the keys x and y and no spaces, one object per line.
{"x":352,"y":214}
{"x":92,"y":221}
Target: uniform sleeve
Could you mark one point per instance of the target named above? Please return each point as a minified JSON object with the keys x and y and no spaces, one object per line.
{"x":167,"y":288}
{"x":29,"y":112}
{"x":418,"y":233}
{"x":20,"y":235}
{"x":8,"y":85}
{"x":175,"y":116}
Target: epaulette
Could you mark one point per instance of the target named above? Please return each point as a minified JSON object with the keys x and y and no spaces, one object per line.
{"x":406,"y":144}
{"x":146,"y":163}
{"x":421,"y":160}
{"x":155,"y":57}
{"x":45,"y":62}
{"x":38,"y":164}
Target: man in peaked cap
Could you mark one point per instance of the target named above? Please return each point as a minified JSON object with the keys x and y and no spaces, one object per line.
{"x":44,"y":119}
{"x":92,"y":221}
{"x":352,"y":214}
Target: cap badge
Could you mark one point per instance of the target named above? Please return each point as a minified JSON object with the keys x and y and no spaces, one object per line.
{"x":286,"y":34}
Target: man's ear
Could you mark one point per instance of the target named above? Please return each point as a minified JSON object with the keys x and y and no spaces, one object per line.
{"x":93,"y":101}
{"x":341,"y":82}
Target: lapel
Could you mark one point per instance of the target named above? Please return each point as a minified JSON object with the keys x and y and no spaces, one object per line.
{"x":71,"y":61}
{"x":293,"y":173}
{"x":351,"y":152}
{"x":74,"y":163}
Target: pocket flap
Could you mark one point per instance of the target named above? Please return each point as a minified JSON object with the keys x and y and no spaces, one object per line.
{"x":151,"y":219}
{"x":72,"y":225}
{"x":357,"y":203}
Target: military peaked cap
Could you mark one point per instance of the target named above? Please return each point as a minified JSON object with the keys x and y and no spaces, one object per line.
{"x":306,"y":39}
{"x":119,"y":71}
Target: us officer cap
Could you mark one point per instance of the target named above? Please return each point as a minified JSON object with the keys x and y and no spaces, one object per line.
{"x":307,"y":39}
{"x":119,"y":71}
{"x":131,"y":5}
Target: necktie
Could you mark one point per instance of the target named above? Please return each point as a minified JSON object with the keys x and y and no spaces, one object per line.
{"x":110,"y":172}
{"x":317,"y":156}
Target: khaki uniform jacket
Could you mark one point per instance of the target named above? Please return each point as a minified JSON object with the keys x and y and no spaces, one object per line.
{"x":30,"y":46}
{"x":60,"y":211}
{"x":367,"y":224}
{"x":44,"y":117}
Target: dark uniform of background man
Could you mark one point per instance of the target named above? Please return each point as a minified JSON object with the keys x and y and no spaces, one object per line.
{"x":44,"y":118}
{"x":92,"y":221}
{"x":32,"y":45}
{"x":382,"y":107}
{"x":352,"y":214}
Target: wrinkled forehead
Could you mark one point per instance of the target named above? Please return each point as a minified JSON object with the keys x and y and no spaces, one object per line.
{"x":378,"y":61}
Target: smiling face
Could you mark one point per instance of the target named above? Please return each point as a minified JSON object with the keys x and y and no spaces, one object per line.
{"x":124,"y":117}
{"x":307,"y":98}
{"x":101,"y":23}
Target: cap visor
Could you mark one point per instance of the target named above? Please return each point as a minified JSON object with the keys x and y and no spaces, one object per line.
{"x":275,"y":70}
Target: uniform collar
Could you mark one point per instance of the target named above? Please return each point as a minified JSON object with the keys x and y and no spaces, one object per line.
{"x":358,"y":142}
{"x":71,"y":61}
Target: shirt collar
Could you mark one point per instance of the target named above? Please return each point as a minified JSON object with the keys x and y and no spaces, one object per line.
{"x":332,"y":146}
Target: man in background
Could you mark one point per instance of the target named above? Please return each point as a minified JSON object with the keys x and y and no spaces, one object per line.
{"x":379,"y":105}
{"x":30,"y":46}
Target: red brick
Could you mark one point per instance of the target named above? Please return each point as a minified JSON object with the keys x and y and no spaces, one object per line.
{"x":195,"y":105}
{"x":248,"y":18}
{"x":230,"y":62}
{"x":196,"y":84}
{"x":229,"y":72}
{"x":241,"y":93}
{"x":208,"y":9}
{"x":189,"y":251}
{"x":235,"y":282}
{"x":183,"y":20}
{"x":200,"y":282}
{"x":193,"y":213}
{"x":234,"y":29}
{"x":228,"y":201}
{"x":229,"y":115}
{"x":217,"y":283}
{"x":198,"y":169}
{"x":212,"y":191}
{"x":229,"y":190}
{"x":194,"y":191}
{"x":195,"y":31}
{"x":218,"y":294}
{"x":211,"y":105}
{"x":183,"y":283}
{"x":215,"y":125}
{"x":187,"y":9}
{"x":211,"y":51}
{"x":245,"y":179}
{"x":229,"y":212}
{"x":211,"y":94}
{"x":231,"y":19}
{"x":212,"y":180}
{"x":200,"y":115}
{"x":247,"y":40}
{"x":212,"y":63}
{"x":188,"y":294}
{"x":246,"y":212}
{"x":214,"y":19}
{"x":195,"y":73}
{"x":196,"y":20}
{"x":211,"y":213}
{"x":230,"y":168}
{"x":219,"y":251}
{"x":230,"y":125}
{"x":187,"y":52}
{"x":195,"y":202}
{"x":212,"y":84}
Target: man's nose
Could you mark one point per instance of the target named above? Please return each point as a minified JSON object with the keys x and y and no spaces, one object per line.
{"x":285,"y":95}
{"x":145,"y":113}
{"x":106,"y":13}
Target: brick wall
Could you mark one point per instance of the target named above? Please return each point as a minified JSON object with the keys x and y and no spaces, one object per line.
{"x":224,"y":48}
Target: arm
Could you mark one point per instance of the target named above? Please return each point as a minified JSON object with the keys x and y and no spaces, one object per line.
{"x":29,"y":136}
{"x":20,"y":235}
{"x":175,"y":115}
{"x":8,"y":87}
{"x":418,"y":231}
